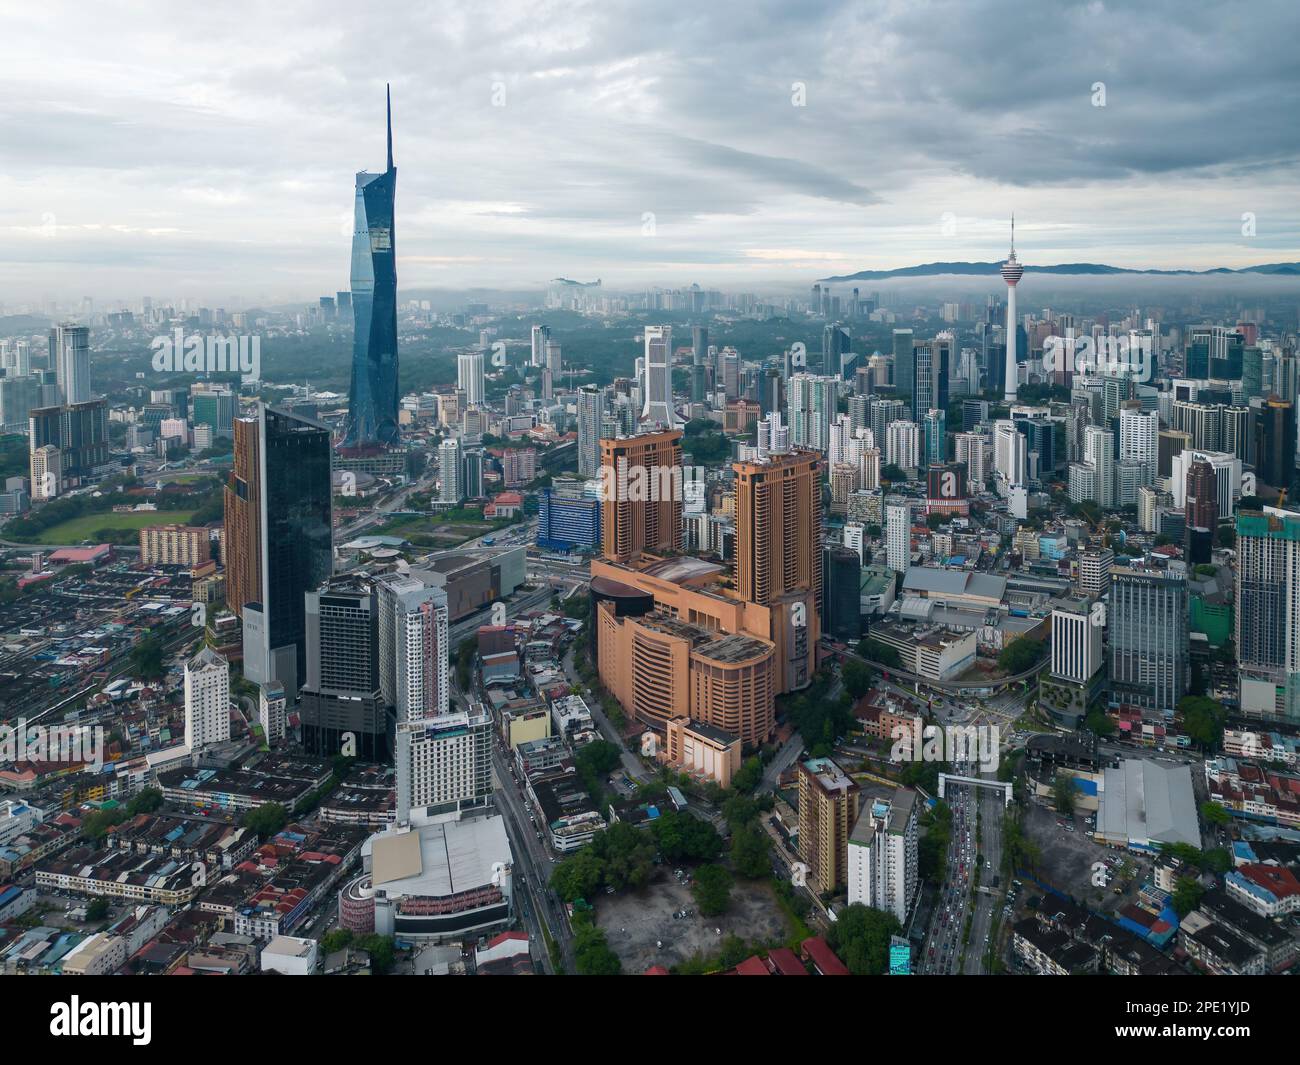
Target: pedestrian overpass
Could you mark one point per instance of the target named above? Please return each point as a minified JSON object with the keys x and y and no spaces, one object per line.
{"x":979,"y":782}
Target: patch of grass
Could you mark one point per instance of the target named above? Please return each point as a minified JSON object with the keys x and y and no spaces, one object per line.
{"x":85,"y":527}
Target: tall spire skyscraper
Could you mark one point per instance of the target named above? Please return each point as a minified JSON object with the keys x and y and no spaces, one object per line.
{"x":1012,"y":272}
{"x":372,"y":400}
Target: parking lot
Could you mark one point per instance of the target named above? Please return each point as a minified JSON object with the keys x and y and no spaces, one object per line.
{"x":1068,"y":857}
{"x":635,"y":923}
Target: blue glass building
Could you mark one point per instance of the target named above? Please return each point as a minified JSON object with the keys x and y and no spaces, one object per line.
{"x":372,"y":400}
{"x":568,"y":523}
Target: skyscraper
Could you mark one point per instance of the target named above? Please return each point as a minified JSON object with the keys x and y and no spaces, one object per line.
{"x":898,"y":536}
{"x":828,"y":808}
{"x":70,"y":360}
{"x":340,"y":694}
{"x":810,"y":408}
{"x":1267,"y":612}
{"x":540,"y":335}
{"x":1202,"y":506}
{"x":469,"y":376}
{"x":1274,"y":430}
{"x":1147,"y":621}
{"x":1012,"y":272}
{"x":279,"y":537}
{"x":698,"y":363}
{"x":591,"y":410}
{"x":1010,"y":452}
{"x":836,"y":343}
{"x":414,"y":647}
{"x":658,"y":383}
{"x":883,"y":853}
{"x":372,"y":400}
{"x":207,"y":700}
{"x":643,"y":494}
{"x":779,"y":551}
{"x":80,"y":432}
{"x":449,"y":472}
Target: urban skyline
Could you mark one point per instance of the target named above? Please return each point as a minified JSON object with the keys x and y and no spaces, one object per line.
{"x":692,"y":597}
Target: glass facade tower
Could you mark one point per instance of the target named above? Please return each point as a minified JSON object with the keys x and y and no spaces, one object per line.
{"x":372,"y":400}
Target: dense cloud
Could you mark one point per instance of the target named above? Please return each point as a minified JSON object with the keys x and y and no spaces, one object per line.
{"x":211,"y":152}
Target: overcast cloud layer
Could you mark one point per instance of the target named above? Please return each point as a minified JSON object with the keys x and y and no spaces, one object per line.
{"x":209,"y":150}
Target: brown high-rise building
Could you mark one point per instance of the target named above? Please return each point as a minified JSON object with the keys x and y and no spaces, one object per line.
{"x":778,"y":526}
{"x":641,"y":477}
{"x":1170,"y":442}
{"x":1202,"y":510}
{"x":243,"y":553}
{"x":828,"y":808}
{"x":779,"y":553}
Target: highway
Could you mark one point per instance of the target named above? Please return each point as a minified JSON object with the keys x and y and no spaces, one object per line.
{"x":988,"y":901}
{"x":942,"y":951}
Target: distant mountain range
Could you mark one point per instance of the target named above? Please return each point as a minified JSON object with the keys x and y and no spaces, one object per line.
{"x":1093,"y":269}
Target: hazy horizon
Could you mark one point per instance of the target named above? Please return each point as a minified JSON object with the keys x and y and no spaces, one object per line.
{"x":748,"y":147}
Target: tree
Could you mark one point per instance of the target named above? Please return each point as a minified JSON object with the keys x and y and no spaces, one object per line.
{"x":381,"y":951}
{"x":1064,"y":790}
{"x":95,"y":826}
{"x":335,"y":939}
{"x":740,"y":810}
{"x":1021,"y":654}
{"x":857,"y":678}
{"x":1187,"y":895}
{"x":712,"y":890}
{"x":97,"y":910}
{"x":146,"y":658}
{"x":628,"y":854}
{"x":266,"y":820}
{"x":593,"y":763}
{"x":1098,"y":723}
{"x":591,"y":951}
{"x":1215,"y":814}
{"x":579,"y":876}
{"x":747,"y":777}
{"x":1203,"y":720}
{"x":932,"y":850}
{"x":861,"y":936}
{"x":682,"y":837}
{"x":145,"y":803}
{"x":875,"y":651}
{"x":750,"y":849}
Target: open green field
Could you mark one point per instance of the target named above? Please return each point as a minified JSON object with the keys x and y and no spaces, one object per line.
{"x":83,"y":528}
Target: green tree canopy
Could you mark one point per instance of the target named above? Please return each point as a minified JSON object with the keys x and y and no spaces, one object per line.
{"x":750,"y":850}
{"x":861,"y":939}
{"x":712,"y":890}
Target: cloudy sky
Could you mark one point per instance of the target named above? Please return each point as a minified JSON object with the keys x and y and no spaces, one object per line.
{"x":208,"y":150}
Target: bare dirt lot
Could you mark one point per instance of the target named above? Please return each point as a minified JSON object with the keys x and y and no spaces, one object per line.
{"x":634,"y":922}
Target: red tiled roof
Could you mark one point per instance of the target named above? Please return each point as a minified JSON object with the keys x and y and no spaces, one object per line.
{"x":504,"y":936}
{"x":786,"y":962}
{"x":818,"y":951}
{"x":752,"y":967}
